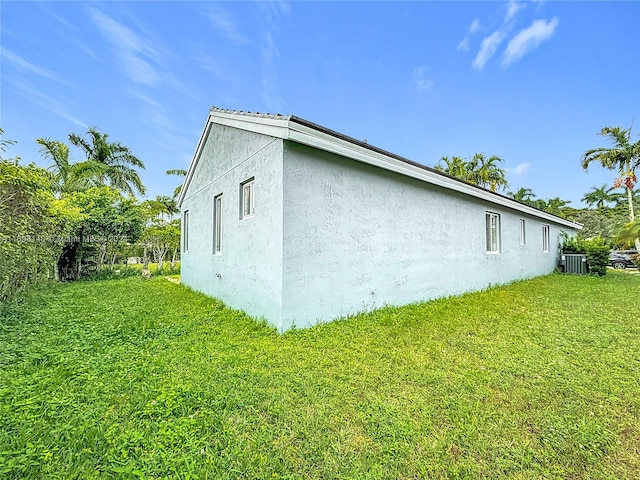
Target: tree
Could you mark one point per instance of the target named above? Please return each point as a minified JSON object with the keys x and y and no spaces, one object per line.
{"x":629,"y":233}
{"x":454,"y":166}
{"x":524,"y":195}
{"x":117,"y":163}
{"x":161,"y":235}
{"x":600,"y":197}
{"x":479,"y":170}
{"x":31,"y":226}
{"x":106,"y":223}
{"x":623,"y":156}
{"x":556,"y":206}
{"x":68,"y":177}
{"x":180,"y":173}
{"x":486,"y":172}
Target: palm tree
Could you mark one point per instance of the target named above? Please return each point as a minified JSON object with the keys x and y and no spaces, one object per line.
{"x":556,"y":206}
{"x":454,"y":166}
{"x":487,"y":173}
{"x":599,"y":196}
{"x":624,"y":156}
{"x":68,"y":177}
{"x":524,"y":195}
{"x":180,"y":173}
{"x":117,"y":161}
{"x":629,"y":233}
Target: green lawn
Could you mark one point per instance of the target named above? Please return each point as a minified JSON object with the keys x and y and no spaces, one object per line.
{"x":132,"y":378}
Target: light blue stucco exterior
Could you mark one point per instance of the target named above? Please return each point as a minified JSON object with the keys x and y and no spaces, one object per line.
{"x":332,"y":236}
{"x":247,"y":274}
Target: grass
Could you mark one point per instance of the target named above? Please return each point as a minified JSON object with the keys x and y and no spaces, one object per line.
{"x":131,"y":378}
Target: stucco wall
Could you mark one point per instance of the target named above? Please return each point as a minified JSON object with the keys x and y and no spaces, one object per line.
{"x":358,"y":237}
{"x":247,"y":275}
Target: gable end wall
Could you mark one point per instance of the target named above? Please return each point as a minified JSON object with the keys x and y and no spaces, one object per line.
{"x":247,"y":275}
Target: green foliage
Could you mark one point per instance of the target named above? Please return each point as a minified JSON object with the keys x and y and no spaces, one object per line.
{"x":600,"y":222}
{"x":597,"y":256}
{"x":118,"y":164}
{"x":623,"y":156}
{"x":161,"y":236}
{"x":180,"y":173}
{"x":107,"y":221}
{"x":629,"y":233}
{"x":596,"y":250}
{"x":555,"y":206}
{"x":478,"y":170}
{"x":32,"y":225}
{"x":143,"y":378}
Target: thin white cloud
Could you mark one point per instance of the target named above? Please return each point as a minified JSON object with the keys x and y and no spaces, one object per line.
{"x":473,"y":28}
{"x":519,"y":170}
{"x":224,"y":24}
{"x":488,"y":49}
{"x":273,"y":16}
{"x":422,"y":82}
{"x":28,"y":67}
{"x":270,"y":95}
{"x":135,"y":53}
{"x":512,"y":9}
{"x":56,"y":107}
{"x":529,"y":39}
{"x":156,"y":113}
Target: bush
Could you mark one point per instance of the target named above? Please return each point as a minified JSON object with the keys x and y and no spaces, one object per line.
{"x":596,"y":250}
{"x":597,"y":256}
{"x":636,"y":259}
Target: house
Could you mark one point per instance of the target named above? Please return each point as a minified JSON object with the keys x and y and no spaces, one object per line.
{"x":298,"y":224}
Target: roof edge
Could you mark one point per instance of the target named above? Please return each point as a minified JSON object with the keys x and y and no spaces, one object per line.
{"x":318,"y":136}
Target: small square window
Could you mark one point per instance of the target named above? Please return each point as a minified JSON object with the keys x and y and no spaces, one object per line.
{"x":247,"y":205}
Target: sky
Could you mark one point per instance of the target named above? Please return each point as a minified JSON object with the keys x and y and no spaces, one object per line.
{"x":532,"y":82}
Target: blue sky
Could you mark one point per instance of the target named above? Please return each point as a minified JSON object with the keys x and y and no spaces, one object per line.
{"x":532,"y":82}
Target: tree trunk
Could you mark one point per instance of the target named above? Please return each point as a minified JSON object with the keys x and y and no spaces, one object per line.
{"x":173,"y":258}
{"x":632,"y":216}
{"x":145,"y":257}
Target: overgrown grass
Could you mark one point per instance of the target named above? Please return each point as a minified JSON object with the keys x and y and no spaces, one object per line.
{"x":126,"y":378}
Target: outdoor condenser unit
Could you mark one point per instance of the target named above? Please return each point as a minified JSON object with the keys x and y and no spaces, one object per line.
{"x":574,"y":263}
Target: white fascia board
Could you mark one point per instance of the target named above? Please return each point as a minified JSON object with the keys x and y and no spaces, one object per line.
{"x":323,"y":141}
{"x":194,"y":161}
{"x":275,"y":127}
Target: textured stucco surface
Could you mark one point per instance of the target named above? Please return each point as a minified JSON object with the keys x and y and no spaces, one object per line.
{"x":333,"y":237}
{"x":248,"y":273}
{"x":358,"y":237}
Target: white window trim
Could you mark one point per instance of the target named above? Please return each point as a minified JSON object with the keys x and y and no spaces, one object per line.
{"x":217,"y":225}
{"x":523,"y":232}
{"x":247,"y":186}
{"x":185,"y":232}
{"x":546,"y":239}
{"x":489,"y":240}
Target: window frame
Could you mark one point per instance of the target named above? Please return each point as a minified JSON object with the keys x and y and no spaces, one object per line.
{"x":523,"y":232}
{"x":217,"y":224}
{"x":247,"y":186}
{"x":185,"y":231}
{"x":546,"y":239}
{"x":492,"y":227}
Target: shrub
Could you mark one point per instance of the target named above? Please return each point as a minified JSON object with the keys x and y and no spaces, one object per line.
{"x":597,"y":256}
{"x":596,"y":250}
{"x":636,"y":259}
